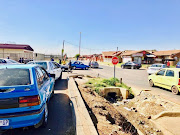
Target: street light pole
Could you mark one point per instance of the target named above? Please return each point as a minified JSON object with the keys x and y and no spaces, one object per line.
{"x":63,"y":50}
{"x":80,"y":44}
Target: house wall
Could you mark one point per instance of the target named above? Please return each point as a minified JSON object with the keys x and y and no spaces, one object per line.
{"x":16,"y":54}
{"x":39,"y":56}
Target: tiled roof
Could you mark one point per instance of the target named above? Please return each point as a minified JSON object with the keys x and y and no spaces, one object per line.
{"x":109,"y":53}
{"x":16,"y":46}
{"x":166,"y":53}
{"x":130,"y":52}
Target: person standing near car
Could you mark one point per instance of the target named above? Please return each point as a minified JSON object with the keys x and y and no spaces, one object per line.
{"x":168,"y":64}
{"x":70,"y":67}
{"x":59,"y":61}
{"x":90,"y":63}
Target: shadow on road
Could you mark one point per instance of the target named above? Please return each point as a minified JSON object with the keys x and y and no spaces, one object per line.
{"x":60,"y":116}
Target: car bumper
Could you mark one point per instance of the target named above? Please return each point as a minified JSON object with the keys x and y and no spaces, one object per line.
{"x":18,"y":120}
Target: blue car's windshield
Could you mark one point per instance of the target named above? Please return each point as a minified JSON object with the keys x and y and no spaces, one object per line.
{"x":12,"y":77}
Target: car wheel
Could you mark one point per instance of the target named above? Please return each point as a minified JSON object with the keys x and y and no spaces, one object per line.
{"x":74,"y":68}
{"x":122,"y":67}
{"x":63,"y":69}
{"x":151,"y":83}
{"x":45,"y":116}
{"x":86,"y":68}
{"x":132,"y":67}
{"x":175,"y":90}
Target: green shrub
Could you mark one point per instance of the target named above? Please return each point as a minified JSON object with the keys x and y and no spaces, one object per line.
{"x":97,"y":90}
{"x":111,"y":81}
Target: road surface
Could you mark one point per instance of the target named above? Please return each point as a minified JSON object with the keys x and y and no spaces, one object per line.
{"x":135,"y":78}
{"x":60,"y":120}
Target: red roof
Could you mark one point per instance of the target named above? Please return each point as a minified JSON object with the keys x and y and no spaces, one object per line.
{"x":16,"y":46}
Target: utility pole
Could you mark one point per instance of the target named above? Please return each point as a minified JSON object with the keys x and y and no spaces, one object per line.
{"x":63,"y":49}
{"x":80,"y":44}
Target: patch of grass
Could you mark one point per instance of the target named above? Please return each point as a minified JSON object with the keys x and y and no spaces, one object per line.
{"x":99,"y":83}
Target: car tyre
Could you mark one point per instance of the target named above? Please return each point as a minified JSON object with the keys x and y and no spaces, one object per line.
{"x":122,"y":67}
{"x":132,"y":67}
{"x":86,"y":68}
{"x":63,"y":69}
{"x":175,"y":90}
{"x":45,"y":117}
{"x":151,"y":83}
{"x":74,"y":68}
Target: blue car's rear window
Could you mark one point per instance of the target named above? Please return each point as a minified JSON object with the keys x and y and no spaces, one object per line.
{"x":12,"y":77}
{"x":43,"y":64}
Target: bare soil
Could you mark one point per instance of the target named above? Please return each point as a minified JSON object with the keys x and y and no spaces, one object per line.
{"x":124,"y":117}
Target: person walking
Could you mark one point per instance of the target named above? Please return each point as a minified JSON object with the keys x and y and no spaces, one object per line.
{"x":70,"y":67}
{"x":168,"y":64}
{"x":59,"y":61}
{"x":90,"y":63}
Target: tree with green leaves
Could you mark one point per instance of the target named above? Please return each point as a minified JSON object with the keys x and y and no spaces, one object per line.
{"x":77,"y":55}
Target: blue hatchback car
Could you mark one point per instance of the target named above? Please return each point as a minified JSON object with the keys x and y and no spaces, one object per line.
{"x":24,"y":93}
{"x":79,"y":65}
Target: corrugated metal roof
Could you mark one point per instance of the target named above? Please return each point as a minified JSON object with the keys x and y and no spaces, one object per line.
{"x":16,"y":46}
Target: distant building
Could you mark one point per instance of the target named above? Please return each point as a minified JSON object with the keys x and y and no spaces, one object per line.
{"x":16,"y":51}
{"x":107,"y":56}
{"x":169,"y":55}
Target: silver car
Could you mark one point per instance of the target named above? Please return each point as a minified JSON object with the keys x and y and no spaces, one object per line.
{"x":155,"y":67}
{"x":94,"y":64}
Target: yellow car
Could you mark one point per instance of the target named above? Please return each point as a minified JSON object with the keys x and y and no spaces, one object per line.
{"x":168,"y":78}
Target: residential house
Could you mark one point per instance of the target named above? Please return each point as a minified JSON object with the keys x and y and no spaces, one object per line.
{"x":140,"y":56}
{"x":173,"y":56}
{"x":107,"y":56}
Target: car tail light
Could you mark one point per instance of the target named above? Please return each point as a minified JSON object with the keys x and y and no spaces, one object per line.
{"x":179,"y":82}
{"x":29,"y":101}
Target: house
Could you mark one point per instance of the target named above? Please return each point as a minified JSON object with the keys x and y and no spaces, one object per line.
{"x":16,"y":51}
{"x":139,"y":56}
{"x":107,"y":56}
{"x":173,"y":56}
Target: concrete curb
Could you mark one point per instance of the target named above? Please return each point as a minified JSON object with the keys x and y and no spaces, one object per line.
{"x":167,"y":114}
{"x":81,"y":119}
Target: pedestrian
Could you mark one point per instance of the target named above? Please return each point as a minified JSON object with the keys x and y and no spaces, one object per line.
{"x":70,"y":67}
{"x":52,"y":59}
{"x":64,"y":62}
{"x":20,"y":60}
{"x":168,"y":64}
{"x":59,"y":61}
{"x":90,"y":63}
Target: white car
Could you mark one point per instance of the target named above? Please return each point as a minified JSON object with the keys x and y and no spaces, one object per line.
{"x":8,"y":61}
{"x":51,"y":67}
{"x":155,"y":67}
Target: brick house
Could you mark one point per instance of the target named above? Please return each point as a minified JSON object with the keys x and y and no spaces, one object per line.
{"x":173,"y":56}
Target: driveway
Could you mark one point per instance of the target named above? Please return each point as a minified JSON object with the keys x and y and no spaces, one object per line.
{"x":135,"y":78}
{"x":60,"y":120}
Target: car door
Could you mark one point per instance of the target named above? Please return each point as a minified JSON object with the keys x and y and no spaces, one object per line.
{"x":54,"y":70}
{"x":126,"y":65}
{"x":159,"y":77}
{"x":58,"y":68}
{"x":169,"y":80}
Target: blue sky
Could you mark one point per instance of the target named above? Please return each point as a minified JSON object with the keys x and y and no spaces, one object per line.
{"x":105,"y":24}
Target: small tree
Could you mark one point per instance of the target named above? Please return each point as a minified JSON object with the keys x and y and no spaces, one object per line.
{"x":77,"y":56}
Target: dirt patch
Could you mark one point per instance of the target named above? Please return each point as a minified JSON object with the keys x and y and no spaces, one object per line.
{"x":108,"y":120}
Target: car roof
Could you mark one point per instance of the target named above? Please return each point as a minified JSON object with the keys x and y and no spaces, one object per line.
{"x":25,"y":66}
{"x":41,"y":61}
{"x":175,"y":69}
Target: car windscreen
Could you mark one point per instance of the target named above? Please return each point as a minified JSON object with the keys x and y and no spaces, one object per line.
{"x":156,"y":65}
{"x":43,"y":64}
{"x":12,"y":61}
{"x":14,"y":76}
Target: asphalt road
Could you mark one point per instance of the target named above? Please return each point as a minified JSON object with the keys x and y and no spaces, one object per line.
{"x":60,"y":120}
{"x":135,"y":78}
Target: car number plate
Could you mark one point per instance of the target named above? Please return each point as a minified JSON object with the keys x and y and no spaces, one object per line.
{"x":4,"y":123}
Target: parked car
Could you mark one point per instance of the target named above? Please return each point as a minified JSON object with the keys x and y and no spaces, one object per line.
{"x":79,"y":65}
{"x":8,"y":61}
{"x":51,"y":67}
{"x":94,"y":64}
{"x":64,"y":68}
{"x":24,"y":93}
{"x":131,"y":65}
{"x":178,"y":65}
{"x":155,"y":67}
{"x":168,"y":78}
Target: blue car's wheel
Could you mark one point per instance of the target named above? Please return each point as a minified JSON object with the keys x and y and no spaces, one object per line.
{"x":86,"y":68}
{"x":74,"y":68}
{"x":45,"y":116}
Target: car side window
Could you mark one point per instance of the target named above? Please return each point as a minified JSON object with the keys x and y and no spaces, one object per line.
{"x":170,"y":73}
{"x":40,"y":77}
{"x":161,"y":72}
{"x":55,"y":66}
{"x":46,"y":77}
{"x":51,"y":66}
